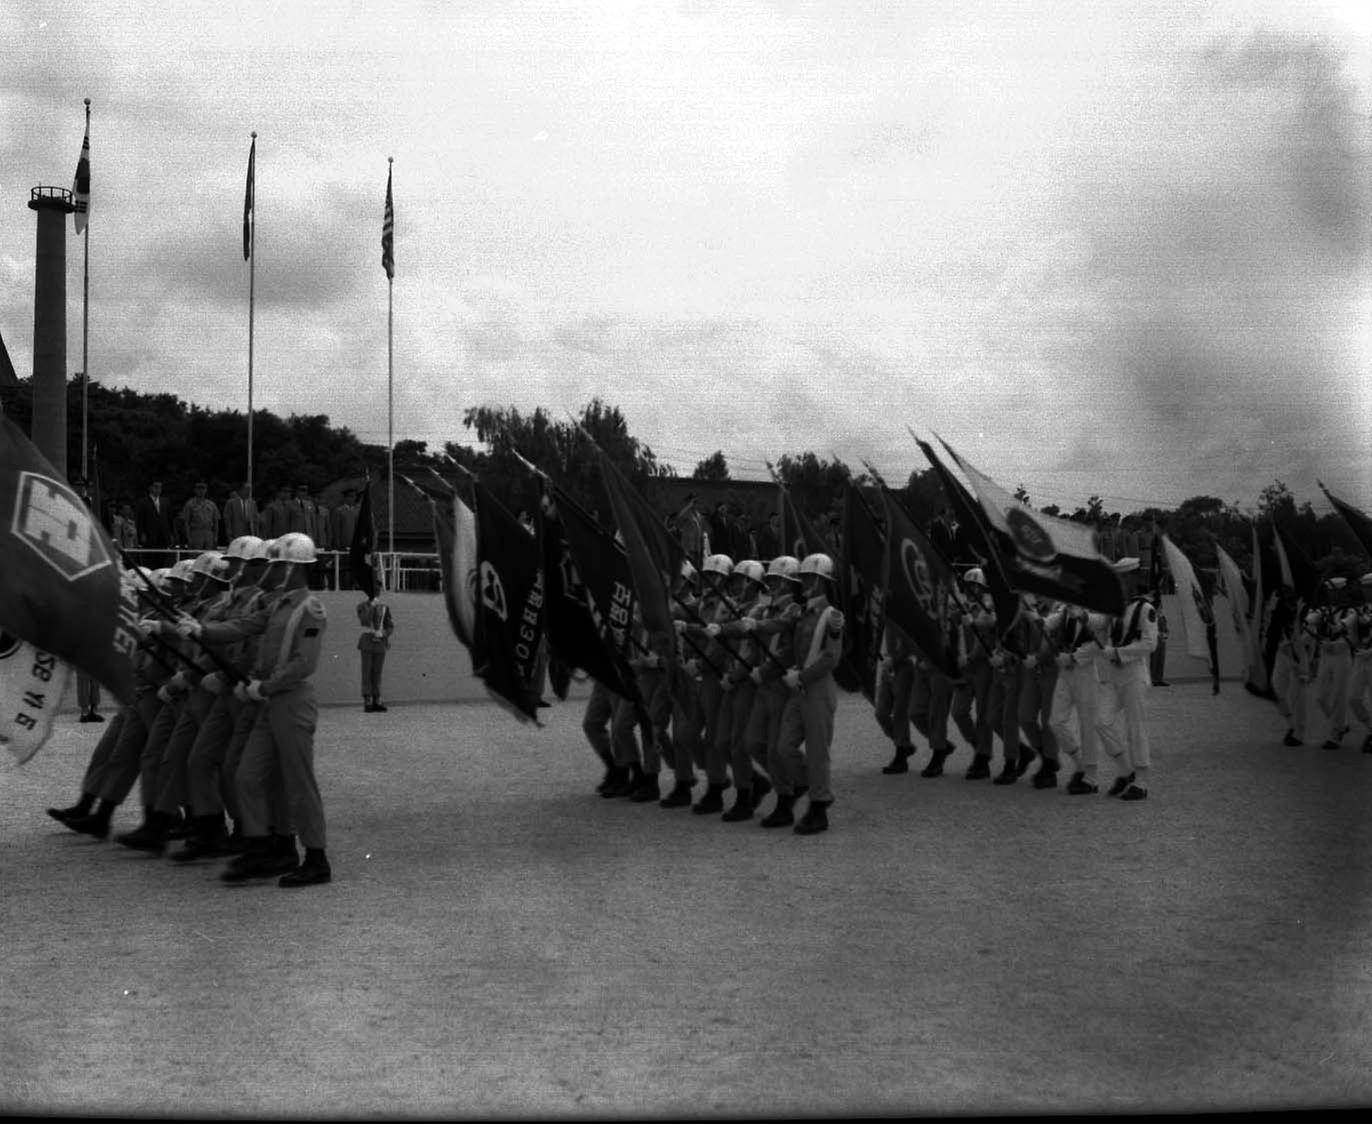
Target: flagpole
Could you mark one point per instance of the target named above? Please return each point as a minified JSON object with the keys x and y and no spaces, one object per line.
{"x":85,"y":323}
{"x":252,"y":281}
{"x":390,"y":394}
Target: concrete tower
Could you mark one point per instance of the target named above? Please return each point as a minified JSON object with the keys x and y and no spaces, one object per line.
{"x":53,"y":205}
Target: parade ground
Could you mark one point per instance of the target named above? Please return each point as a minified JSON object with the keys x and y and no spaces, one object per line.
{"x":499,"y":941}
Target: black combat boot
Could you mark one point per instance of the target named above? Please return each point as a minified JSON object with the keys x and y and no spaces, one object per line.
{"x":150,"y":835}
{"x":627,"y":783}
{"x":207,"y":840}
{"x":646,"y":791}
{"x":979,"y":769}
{"x":1047,"y":775}
{"x":815,"y":819}
{"x":712,"y":801}
{"x":81,"y":808}
{"x":781,"y":815}
{"x":935,"y":766}
{"x":744,"y":803}
{"x":96,"y":823}
{"x":314,"y":871}
{"x":900,"y":763}
{"x":679,"y":797}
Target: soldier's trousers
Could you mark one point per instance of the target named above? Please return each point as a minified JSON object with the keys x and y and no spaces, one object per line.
{"x":930,"y":704}
{"x":1074,"y":715}
{"x":205,"y":762}
{"x":1036,"y":707}
{"x":764,"y":725}
{"x":1002,"y":708}
{"x":1290,"y":691}
{"x":1120,"y":715}
{"x":1359,"y":682}
{"x":748,"y":753}
{"x":688,"y":731}
{"x":87,"y":692}
{"x":808,"y":718}
{"x":283,"y":737}
{"x":172,"y":788}
{"x":595,"y":723}
{"x":372,"y":663}
{"x":657,"y":743}
{"x":892,"y":702}
{"x":102,"y":753}
{"x":716,"y":755}
{"x":154,"y":747}
{"x":975,"y":694}
{"x":124,"y":768}
{"x":1336,"y":669}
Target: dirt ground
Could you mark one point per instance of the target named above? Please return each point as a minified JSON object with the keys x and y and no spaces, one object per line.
{"x":500,"y":941}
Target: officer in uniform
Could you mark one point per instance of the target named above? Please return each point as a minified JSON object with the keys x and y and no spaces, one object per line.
{"x":373,"y":642}
{"x":292,"y":635}
{"x":708,"y":667}
{"x":895,"y":683}
{"x":200,"y":518}
{"x":1337,"y":622}
{"x":816,"y":648}
{"x":1120,"y":710}
{"x":971,"y":698}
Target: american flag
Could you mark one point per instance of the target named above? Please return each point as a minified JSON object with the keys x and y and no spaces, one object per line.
{"x":248,"y":201}
{"x":81,"y":184}
{"x":388,"y":232}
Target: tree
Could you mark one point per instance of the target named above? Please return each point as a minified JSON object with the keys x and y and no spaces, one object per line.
{"x":815,"y":484}
{"x":713,"y":468}
{"x":924,"y":497}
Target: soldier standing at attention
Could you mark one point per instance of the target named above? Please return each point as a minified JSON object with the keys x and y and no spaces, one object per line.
{"x":377,"y":622}
{"x":292,"y":634}
{"x":201,"y":519}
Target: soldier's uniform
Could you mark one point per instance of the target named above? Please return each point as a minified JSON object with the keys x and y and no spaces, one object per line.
{"x":895,"y":685}
{"x":200,"y":517}
{"x":1079,"y":638}
{"x":816,"y":648}
{"x":373,"y":642}
{"x":1294,"y":665}
{"x":747,"y":759}
{"x":1124,"y":682}
{"x":1037,"y":686}
{"x":707,"y":663}
{"x":971,"y":699}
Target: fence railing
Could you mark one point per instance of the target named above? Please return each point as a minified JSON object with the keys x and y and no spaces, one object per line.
{"x":401,"y":572}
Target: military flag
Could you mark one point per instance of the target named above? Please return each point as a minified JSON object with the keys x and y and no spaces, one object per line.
{"x":7,"y":374}
{"x":921,"y":588}
{"x":1358,"y":523}
{"x":1050,"y":557}
{"x":577,"y":632}
{"x":1197,"y":612}
{"x":509,"y":608}
{"x":61,"y":590}
{"x":1263,"y":637}
{"x":455,"y":532}
{"x":1231,"y":587}
{"x":798,"y":535}
{"x":1297,"y":571}
{"x":861,"y":594}
{"x":982,"y":539}
{"x":81,"y":182}
{"x":654,"y":556}
{"x":363,"y":544}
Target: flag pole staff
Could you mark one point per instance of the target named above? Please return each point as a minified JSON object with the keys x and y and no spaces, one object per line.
{"x":252,"y":282}
{"x":390,"y":391}
{"x":85,"y":323}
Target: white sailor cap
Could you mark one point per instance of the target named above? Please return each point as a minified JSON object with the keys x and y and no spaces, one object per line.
{"x":1366,"y":579}
{"x":1126,"y":565}
{"x":1336,"y":583}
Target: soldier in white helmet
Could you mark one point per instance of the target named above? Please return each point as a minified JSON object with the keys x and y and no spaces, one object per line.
{"x":706,"y":663}
{"x":1337,"y":621}
{"x":1360,"y":679}
{"x":816,"y":648}
{"x":1121,"y":716}
{"x":971,"y":697}
{"x":292,"y":635}
{"x":1295,"y":662}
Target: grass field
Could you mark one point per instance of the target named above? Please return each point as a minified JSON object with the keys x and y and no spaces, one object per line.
{"x":500,"y":941}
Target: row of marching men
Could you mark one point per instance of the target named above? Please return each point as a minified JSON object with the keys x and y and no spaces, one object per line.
{"x":749,"y":700}
{"x":224,"y":717}
{"x":754,"y":707}
{"x":1324,"y":648}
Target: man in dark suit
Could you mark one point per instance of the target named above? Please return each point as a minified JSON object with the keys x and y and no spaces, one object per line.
{"x":153,"y":516}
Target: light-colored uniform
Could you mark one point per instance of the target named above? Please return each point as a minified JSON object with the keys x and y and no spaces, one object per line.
{"x":1079,"y":638}
{"x":1360,"y":678}
{"x":1120,"y":711}
{"x":1332,"y":685}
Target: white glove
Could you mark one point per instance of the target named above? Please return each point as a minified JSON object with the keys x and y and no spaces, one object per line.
{"x":726,"y":684}
{"x":1031,"y":660}
{"x":150,"y":626}
{"x":1066,"y":659}
{"x":680,"y":626}
{"x":254,"y":691}
{"x":178,"y":682}
{"x":997,"y":660}
{"x":240,"y":691}
{"x":712,"y":630}
{"x":792,"y":678}
{"x":213,"y":682}
{"x":749,"y":624}
{"x":189,"y":626}
{"x":165,"y":695}
{"x":693,"y":668}
{"x":756,"y":676}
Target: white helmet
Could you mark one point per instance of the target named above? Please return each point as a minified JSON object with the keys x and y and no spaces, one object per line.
{"x":293,"y":547}
{"x":784,"y":566}
{"x":820,"y":564}
{"x":159,"y":577}
{"x":720,"y":564}
{"x":688,"y":572}
{"x":974,"y":576}
{"x":211,"y":563}
{"x":751,"y":569}
{"x":181,"y":571}
{"x":243,"y":547}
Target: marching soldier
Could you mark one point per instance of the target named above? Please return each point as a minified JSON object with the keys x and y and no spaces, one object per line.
{"x":1295,"y":663}
{"x":817,"y":646}
{"x":1079,"y":639}
{"x":747,"y":760}
{"x":683,"y":698}
{"x":1038,"y":683}
{"x":1120,"y":710}
{"x":1360,"y":680}
{"x":971,"y":698}
{"x":292,"y":634}
{"x":1337,"y":622}
{"x":708,"y":667}
{"x":895,"y":686}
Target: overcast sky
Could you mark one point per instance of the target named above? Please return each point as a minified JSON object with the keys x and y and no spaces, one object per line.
{"x":1112,"y":248}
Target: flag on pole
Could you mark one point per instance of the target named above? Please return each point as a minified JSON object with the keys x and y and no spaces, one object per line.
{"x":388,"y":232}
{"x":1197,"y":614}
{"x":61,"y":588}
{"x":7,"y":374}
{"x":861,"y":596}
{"x":248,"y":201}
{"x":1358,"y":523}
{"x":1262,"y":636}
{"x":1232,"y":588}
{"x":81,"y":184}
{"x":1297,"y":571}
{"x":920,"y":586}
{"x":1051,"y":557}
{"x":363,"y":544}
{"x":455,"y":531}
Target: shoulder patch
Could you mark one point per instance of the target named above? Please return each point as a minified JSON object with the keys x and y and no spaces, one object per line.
{"x":835,"y":621}
{"x":1151,"y":614}
{"x":315,"y":607}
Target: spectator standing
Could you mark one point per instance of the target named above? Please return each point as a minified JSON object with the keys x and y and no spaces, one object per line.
{"x":240,"y":514}
{"x":300,"y":512}
{"x":200,"y":518}
{"x":123,"y":529}
{"x":276,"y":518}
{"x":690,"y":529}
{"x":153,"y":518}
{"x":342,"y":523}
{"x":769,"y":539}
